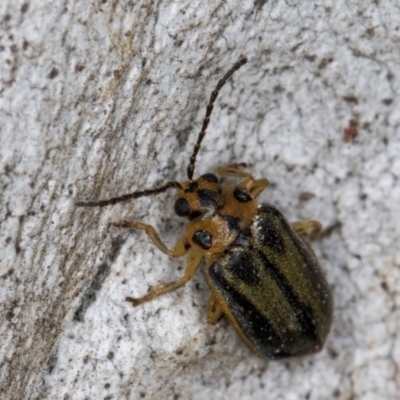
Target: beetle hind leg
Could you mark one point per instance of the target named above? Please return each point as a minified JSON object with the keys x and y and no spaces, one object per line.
{"x":192,"y":264}
{"x":214,"y":311}
{"x":311,"y":228}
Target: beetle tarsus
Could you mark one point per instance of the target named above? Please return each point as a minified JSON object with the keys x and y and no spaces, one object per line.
{"x":133,"y":301}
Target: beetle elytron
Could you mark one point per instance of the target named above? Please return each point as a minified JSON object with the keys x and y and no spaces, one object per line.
{"x":263,"y":275}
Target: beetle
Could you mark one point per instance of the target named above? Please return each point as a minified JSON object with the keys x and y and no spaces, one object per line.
{"x":262,"y":272}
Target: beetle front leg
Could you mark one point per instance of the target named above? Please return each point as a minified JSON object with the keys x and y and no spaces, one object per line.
{"x":180,"y":249}
{"x":253,"y":186}
{"x":192,"y":264}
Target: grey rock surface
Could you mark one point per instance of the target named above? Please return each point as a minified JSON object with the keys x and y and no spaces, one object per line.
{"x":101,"y":98}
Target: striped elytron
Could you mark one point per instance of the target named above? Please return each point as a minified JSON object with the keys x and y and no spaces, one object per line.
{"x":262,"y":273}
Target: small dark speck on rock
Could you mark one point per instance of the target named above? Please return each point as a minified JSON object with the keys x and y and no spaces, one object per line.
{"x":351,"y":99}
{"x":53,"y":73}
{"x":332,"y":352}
{"x":305,"y":196}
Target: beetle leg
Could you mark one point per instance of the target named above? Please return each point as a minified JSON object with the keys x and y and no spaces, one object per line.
{"x":180,"y":249}
{"x":253,"y":186}
{"x":258,"y":186}
{"x":315,"y":231}
{"x":214,"y":311}
{"x":312,"y":228}
{"x":232,"y":170}
{"x":192,"y":264}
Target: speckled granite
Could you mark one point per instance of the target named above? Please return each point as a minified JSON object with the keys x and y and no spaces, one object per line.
{"x":99,"y":98}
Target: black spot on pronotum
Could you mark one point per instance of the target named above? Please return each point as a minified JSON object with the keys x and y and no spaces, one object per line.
{"x":233,"y":222}
{"x":241,"y":196}
{"x":191,"y":187}
{"x":202,"y":239}
{"x":271,"y":211}
{"x":304,"y":313}
{"x":209,"y":178}
{"x":207,"y":197}
{"x":182,"y":207}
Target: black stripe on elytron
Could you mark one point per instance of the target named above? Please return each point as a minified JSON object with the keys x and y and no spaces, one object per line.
{"x":303,"y":313}
{"x":270,"y":234}
{"x":252,"y":323}
{"x":242,"y":265}
{"x":268,"y":209}
{"x":315,"y":274}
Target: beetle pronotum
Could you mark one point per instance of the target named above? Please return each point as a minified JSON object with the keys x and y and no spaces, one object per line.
{"x":263,"y":275}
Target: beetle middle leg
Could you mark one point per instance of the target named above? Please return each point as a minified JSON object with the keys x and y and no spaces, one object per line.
{"x":180,"y":249}
{"x":214,"y":311}
{"x":192,"y":264}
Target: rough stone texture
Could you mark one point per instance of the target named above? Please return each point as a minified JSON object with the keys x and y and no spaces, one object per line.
{"x":99,"y":98}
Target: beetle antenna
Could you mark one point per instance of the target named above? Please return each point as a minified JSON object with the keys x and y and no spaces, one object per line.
{"x":129,"y":196}
{"x":209,"y":109}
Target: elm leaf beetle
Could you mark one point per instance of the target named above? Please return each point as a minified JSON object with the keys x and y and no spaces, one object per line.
{"x":262,"y":273}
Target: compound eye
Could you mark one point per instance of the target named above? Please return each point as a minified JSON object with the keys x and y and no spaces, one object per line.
{"x":182,"y":207}
{"x":209,"y":178}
